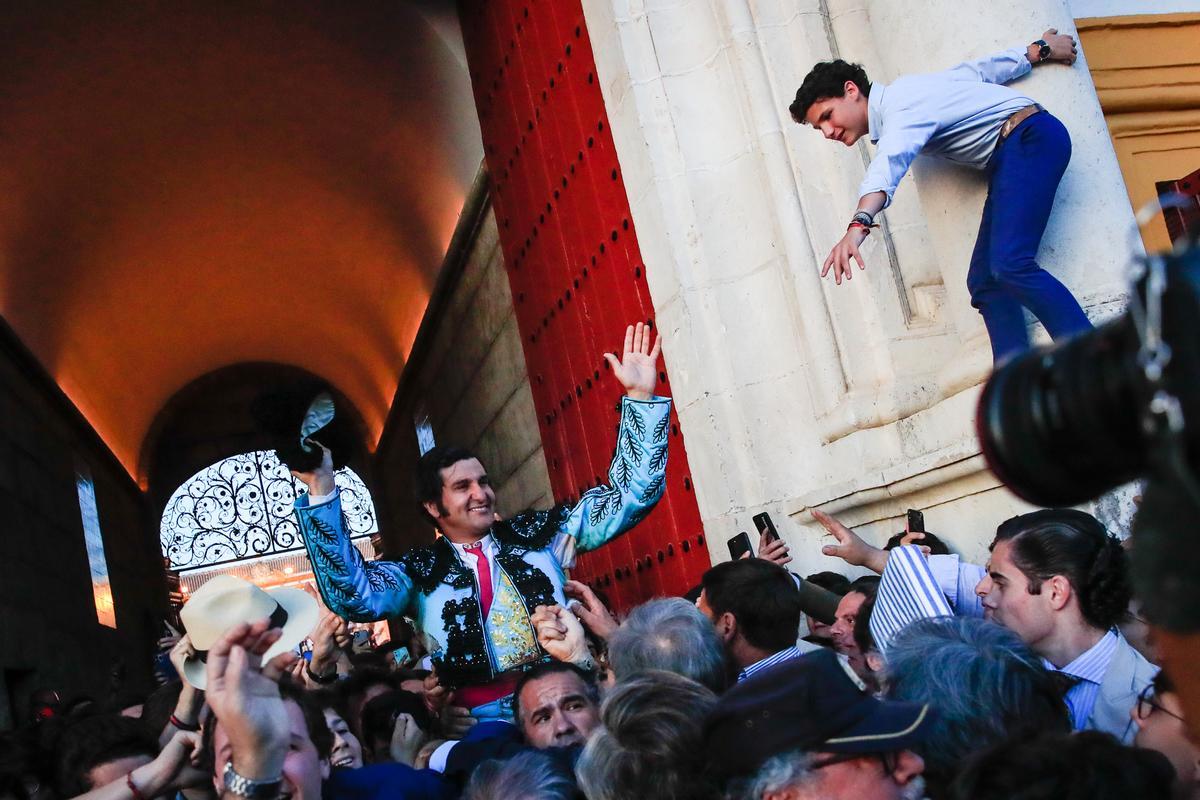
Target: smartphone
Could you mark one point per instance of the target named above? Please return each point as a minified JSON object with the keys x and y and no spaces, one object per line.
{"x":766,"y":526}
{"x":916,"y":521}
{"x":739,"y":546}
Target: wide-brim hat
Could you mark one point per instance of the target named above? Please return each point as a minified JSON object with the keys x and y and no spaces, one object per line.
{"x":813,"y":703}
{"x":226,"y":601}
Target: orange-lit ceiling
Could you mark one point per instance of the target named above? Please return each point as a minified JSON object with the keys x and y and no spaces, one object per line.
{"x":189,"y":185}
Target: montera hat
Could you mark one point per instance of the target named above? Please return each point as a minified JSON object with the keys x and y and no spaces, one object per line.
{"x":226,"y":601}
{"x":813,"y":703}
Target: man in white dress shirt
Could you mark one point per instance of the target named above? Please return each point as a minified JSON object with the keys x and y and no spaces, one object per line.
{"x":964,"y":115}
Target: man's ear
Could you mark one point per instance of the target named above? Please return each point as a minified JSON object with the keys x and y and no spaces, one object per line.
{"x":850,"y":90}
{"x":432,"y":509}
{"x":1058,"y":592}
{"x":727,"y":626}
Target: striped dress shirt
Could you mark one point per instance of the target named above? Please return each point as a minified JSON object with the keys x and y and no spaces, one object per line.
{"x":1088,"y":668}
{"x":770,"y":661}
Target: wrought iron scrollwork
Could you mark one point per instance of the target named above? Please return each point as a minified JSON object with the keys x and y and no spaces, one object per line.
{"x":241,"y":507}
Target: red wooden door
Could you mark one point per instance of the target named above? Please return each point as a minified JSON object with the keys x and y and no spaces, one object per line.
{"x":576,"y":272}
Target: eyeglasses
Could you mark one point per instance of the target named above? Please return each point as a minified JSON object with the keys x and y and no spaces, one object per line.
{"x":1146,"y":704}
{"x":887,"y":759}
{"x":829,"y":761}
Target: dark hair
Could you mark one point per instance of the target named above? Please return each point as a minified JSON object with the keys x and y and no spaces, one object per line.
{"x":88,"y":742}
{"x":355,"y":687}
{"x":1163,"y":683}
{"x":1071,"y":543}
{"x":825,"y":80}
{"x":762,"y":597}
{"x":379,"y":715}
{"x":429,"y":475}
{"x":867,"y":584}
{"x":936,"y":546}
{"x":314,"y":717}
{"x":862,"y":626}
{"x":328,"y":699}
{"x":1088,"y":764}
{"x":552,"y":668}
{"x":835,"y":582}
{"x":314,"y":723}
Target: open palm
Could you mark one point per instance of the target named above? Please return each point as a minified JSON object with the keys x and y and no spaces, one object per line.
{"x":637,"y":369}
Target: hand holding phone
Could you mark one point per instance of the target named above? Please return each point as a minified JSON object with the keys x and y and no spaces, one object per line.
{"x":739,"y":546}
{"x":766,"y":527}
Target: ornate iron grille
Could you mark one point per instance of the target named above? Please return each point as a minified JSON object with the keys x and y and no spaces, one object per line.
{"x":241,"y":507}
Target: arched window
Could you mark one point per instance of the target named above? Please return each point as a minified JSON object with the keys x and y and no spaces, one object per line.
{"x":241,"y":508}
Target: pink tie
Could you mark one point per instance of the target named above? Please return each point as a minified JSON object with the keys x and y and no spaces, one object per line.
{"x":485,"y":577}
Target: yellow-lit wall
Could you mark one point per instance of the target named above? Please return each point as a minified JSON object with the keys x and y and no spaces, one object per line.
{"x":1147,"y":77}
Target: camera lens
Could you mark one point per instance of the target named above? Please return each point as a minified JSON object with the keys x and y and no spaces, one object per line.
{"x":1060,"y":426}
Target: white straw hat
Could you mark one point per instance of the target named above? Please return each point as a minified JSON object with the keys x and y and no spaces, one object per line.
{"x":226,"y":601}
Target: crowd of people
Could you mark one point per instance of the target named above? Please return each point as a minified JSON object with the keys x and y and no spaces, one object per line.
{"x":1020,"y":686}
{"x":506,"y":679}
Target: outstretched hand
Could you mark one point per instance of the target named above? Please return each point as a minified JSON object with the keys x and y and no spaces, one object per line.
{"x":850,"y":546}
{"x":637,"y":369}
{"x":845,"y":252}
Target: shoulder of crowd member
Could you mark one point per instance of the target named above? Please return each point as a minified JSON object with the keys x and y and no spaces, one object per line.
{"x":485,"y":741}
{"x":1051,"y":767}
{"x":390,"y":781}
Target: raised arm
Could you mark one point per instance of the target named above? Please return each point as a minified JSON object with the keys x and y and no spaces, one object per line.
{"x":637,"y":474}
{"x":351,"y":587}
{"x":1008,"y":65}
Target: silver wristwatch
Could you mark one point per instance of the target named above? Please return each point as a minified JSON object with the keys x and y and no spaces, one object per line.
{"x":244,"y":787}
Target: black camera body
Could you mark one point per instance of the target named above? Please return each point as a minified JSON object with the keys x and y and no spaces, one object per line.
{"x":1061,"y":425}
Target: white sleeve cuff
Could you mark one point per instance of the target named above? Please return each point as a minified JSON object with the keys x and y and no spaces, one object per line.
{"x":437,"y":759}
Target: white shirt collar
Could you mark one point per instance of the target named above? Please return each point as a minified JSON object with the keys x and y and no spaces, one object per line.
{"x":874,"y":115}
{"x":487,"y":542}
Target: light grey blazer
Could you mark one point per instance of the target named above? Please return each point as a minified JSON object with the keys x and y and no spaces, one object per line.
{"x":1128,"y":673}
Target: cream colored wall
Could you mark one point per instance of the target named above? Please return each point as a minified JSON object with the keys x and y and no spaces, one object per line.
{"x":473,"y":382}
{"x":793,"y":392}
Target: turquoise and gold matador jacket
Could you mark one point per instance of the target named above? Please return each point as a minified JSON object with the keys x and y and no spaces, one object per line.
{"x":432,"y":586}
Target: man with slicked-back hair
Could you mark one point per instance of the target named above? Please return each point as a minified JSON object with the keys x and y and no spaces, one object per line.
{"x":1056,"y":578}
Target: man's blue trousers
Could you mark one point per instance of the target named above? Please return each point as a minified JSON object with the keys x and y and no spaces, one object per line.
{"x":1004,"y":274}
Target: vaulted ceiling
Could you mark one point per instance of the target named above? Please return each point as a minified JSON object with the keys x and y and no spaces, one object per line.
{"x":190,"y":185}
